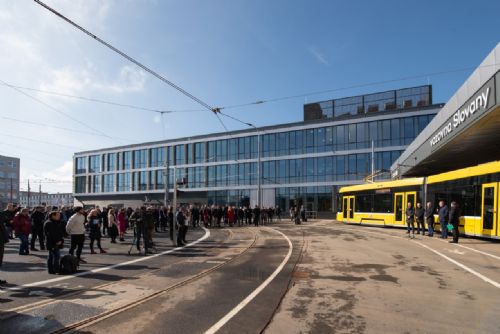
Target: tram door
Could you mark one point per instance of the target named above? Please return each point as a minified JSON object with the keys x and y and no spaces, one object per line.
{"x":348,"y":208}
{"x":489,"y":209}
{"x":401,"y":201}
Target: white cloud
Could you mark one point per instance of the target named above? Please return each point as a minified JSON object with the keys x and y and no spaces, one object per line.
{"x":129,"y":79}
{"x":318,"y":55}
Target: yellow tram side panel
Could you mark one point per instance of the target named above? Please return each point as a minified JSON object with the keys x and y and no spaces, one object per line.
{"x":375,"y":218}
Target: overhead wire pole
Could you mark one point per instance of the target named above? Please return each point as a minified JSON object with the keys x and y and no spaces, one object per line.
{"x":216,"y":111}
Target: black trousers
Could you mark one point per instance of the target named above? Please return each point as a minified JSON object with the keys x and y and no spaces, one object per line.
{"x":77,"y":242}
{"x":181,"y":234}
{"x":455,"y":233}
{"x":420,"y":225}
{"x":2,"y":247}
{"x":37,"y":233}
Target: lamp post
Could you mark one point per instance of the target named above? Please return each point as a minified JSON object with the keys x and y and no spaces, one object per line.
{"x":259,"y":184}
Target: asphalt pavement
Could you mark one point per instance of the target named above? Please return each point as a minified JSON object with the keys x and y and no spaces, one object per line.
{"x":318,"y":277}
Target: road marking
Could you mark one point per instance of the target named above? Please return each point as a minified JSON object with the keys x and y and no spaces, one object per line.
{"x":98,"y":270}
{"x":464,"y":267}
{"x":456,"y":251}
{"x":254,"y":294}
{"x":477,"y":251}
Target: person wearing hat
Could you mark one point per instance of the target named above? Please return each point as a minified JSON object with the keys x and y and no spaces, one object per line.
{"x":22,"y":228}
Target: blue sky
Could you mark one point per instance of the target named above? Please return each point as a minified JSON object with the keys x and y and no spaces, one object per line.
{"x":224,"y":52}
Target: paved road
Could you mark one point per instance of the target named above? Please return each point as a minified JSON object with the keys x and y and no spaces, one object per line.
{"x":357,"y":279}
{"x":338,"y":279}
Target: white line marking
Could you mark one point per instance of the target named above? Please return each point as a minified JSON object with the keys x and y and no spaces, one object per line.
{"x":464,"y":267}
{"x":476,"y":250}
{"x":98,"y":270}
{"x":254,"y":294}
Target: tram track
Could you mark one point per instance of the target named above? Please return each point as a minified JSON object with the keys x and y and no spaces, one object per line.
{"x":135,"y":303}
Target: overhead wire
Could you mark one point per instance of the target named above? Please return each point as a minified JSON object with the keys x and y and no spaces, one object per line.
{"x":91,"y":99}
{"x":55,"y":109}
{"x":374,"y":83}
{"x":136,"y":62}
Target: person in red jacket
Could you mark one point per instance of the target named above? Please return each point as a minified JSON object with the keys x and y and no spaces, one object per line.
{"x":22,"y":227}
{"x":230,"y":216}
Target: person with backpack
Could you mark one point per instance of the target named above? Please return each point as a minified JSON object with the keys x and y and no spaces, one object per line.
{"x":53,"y":230}
{"x":76,"y":230}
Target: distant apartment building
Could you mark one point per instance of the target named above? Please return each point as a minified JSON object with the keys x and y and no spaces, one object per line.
{"x":9,"y":180}
{"x":32,"y":199}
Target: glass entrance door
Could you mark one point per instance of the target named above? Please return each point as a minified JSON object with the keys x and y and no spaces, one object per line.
{"x":398,"y":208}
{"x":351,"y":207}
{"x":345,"y":208}
{"x":489,"y":209}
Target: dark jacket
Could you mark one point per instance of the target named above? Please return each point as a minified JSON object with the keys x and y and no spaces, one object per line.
{"x":454,"y":216}
{"x":429,"y":215}
{"x":4,"y":236}
{"x":95,"y":227}
{"x":419,"y":214}
{"x":38,"y":218}
{"x":410,"y":215}
{"x":181,"y":219}
{"x":443,"y":214}
{"x":7,"y":217}
{"x":54,"y":232}
{"x":149,"y":220}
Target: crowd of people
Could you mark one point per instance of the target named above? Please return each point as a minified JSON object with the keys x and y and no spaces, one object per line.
{"x":51,"y":226}
{"x":448,"y":219}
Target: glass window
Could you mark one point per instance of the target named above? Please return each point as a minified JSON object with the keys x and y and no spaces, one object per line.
{"x":127,"y":160}
{"x":352,"y":169}
{"x":111,"y":162}
{"x":282,"y":143}
{"x":199,"y":152}
{"x":80,"y":165}
{"x":395,"y":132}
{"x":95,"y":164}
{"x":409,"y":130}
{"x":140,"y":159}
{"x":80,"y":184}
{"x":109,"y":183}
{"x":386,"y":132}
{"x":179,"y":155}
{"x":140,"y":181}
{"x":309,"y":141}
{"x":157,"y":157}
{"x":96,"y":184}
{"x":362,"y":135}
{"x":212,"y":151}
{"x":190,"y":153}
{"x":340,"y":139}
{"x":123,"y":181}
{"x":233,"y":149}
{"x":221,"y":150}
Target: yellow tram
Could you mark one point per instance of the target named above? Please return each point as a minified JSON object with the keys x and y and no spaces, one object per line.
{"x":475,"y":189}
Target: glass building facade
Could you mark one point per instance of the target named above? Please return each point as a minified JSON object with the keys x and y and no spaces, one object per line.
{"x":301,"y":163}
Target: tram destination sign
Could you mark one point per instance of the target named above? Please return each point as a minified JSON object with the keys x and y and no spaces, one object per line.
{"x":475,"y":106}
